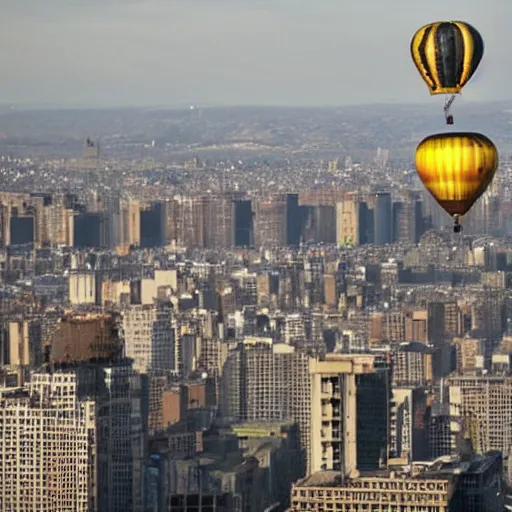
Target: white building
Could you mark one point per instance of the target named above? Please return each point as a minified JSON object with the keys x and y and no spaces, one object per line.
{"x":47,"y":447}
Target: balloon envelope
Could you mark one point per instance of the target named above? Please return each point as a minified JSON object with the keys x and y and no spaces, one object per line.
{"x":447,"y":54}
{"x":456,"y":168}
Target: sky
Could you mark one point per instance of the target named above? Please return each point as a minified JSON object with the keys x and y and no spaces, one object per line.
{"x":110,"y":53}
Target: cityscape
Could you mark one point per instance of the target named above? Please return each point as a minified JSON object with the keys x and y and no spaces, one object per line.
{"x":249,"y":262}
{"x":215,"y":327}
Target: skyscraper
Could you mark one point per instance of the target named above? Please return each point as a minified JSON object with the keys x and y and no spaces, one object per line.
{"x":383,"y":219}
{"x":47,"y":442}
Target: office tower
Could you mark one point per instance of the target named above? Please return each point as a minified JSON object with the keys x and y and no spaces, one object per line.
{"x":409,"y":428}
{"x":219,"y":221}
{"x":152,"y":225}
{"x":48,"y":447}
{"x":21,"y":230}
{"x":408,"y":218}
{"x":318,"y":223}
{"x":347,"y":220}
{"x":243,"y":223}
{"x":130,"y":222}
{"x":149,"y":337}
{"x":412,"y":365}
{"x":383,"y":224}
{"x":354,"y":221}
{"x":190,"y":221}
{"x":373,"y":398}
{"x":326,"y":224}
{"x":350,"y":399}
{"x":110,"y":204}
{"x":439,"y":431}
{"x":270,"y":221}
{"x":91,"y":230}
{"x":293,"y":219}
{"x":121,"y":398}
{"x":169,"y":217}
{"x":16,"y":353}
{"x":484,"y":407}
{"x":265,"y":382}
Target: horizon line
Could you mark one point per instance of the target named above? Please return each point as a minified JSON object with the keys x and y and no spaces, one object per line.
{"x":13,"y":106}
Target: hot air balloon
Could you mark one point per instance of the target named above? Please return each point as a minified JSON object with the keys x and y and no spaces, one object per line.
{"x":447,"y":54}
{"x":456,"y":168}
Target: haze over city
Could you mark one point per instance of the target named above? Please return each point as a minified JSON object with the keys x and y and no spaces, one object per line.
{"x":248,"y":263}
{"x":228,"y":52}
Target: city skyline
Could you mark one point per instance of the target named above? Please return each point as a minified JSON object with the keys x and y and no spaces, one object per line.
{"x":286,"y":53}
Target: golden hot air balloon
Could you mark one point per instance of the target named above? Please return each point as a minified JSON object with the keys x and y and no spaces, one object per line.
{"x":456,"y":168}
{"x":447,"y":54}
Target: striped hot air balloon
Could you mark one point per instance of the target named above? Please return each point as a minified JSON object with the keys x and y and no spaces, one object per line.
{"x":447,"y":54}
{"x":456,"y":168}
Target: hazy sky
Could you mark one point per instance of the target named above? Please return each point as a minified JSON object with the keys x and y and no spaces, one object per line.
{"x":234,"y":52}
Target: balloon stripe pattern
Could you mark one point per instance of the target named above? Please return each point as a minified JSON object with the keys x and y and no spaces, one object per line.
{"x":447,"y":55}
{"x":456,"y":168}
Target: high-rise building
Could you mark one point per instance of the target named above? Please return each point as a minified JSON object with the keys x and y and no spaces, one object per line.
{"x":130,"y":222}
{"x":48,"y":447}
{"x":484,"y":407}
{"x":293,"y":219}
{"x":408,"y":219}
{"x":16,"y":352}
{"x":91,"y":230}
{"x":270,"y":221}
{"x":409,"y":429}
{"x":219,"y":219}
{"x":121,"y":397}
{"x":266,"y":382}
{"x":190,"y":222}
{"x":354,"y":221}
{"x":152,"y":225}
{"x":350,"y":400}
{"x":243,"y":223}
{"x":22,"y":230}
{"x":347,"y":221}
{"x":149,"y":337}
{"x":383,"y":219}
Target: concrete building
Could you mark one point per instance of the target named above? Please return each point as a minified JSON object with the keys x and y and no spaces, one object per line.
{"x":409,"y":430}
{"x":349,"y":413}
{"x":266,"y":382}
{"x":48,"y":447}
{"x":85,"y":337}
{"x":484,"y":404}
{"x":270,"y":221}
{"x":377,"y":492}
{"x":448,"y":484}
{"x":82,"y":288}
{"x":15,"y":345}
{"x":347,"y":221}
{"x":150,"y":337}
{"x":121,"y":398}
{"x":383,"y":214}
